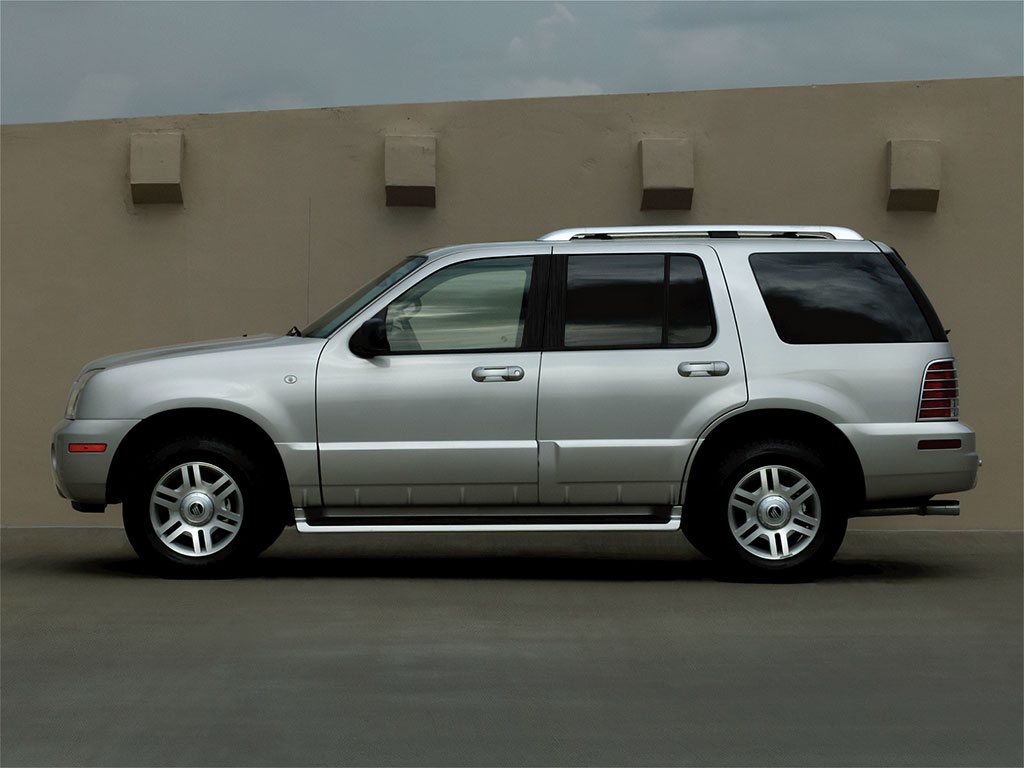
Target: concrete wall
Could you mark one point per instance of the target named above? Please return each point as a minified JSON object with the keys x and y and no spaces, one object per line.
{"x":284,"y":212}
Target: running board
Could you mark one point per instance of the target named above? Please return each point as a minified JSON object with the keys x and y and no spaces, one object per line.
{"x":405,"y":519}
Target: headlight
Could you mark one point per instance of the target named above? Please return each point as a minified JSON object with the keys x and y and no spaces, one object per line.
{"x":76,"y":393}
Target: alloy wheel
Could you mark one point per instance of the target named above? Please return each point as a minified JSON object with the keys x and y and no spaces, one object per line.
{"x":196,"y":509}
{"x":774,"y":512}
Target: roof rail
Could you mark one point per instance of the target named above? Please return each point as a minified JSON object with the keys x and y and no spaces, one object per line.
{"x":701,"y":230}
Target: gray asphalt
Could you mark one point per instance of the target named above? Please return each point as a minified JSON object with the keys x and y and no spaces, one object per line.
{"x":501,"y":649}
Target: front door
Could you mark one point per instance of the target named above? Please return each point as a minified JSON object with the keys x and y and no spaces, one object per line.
{"x":644,"y":356}
{"x":448,"y":416}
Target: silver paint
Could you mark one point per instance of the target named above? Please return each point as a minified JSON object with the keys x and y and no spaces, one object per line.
{"x":578,"y":427}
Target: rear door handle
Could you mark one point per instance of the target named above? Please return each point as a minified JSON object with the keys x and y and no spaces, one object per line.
{"x":715,"y":368}
{"x":510,"y":373}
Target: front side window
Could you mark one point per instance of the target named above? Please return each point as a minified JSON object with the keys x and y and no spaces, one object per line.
{"x":636,"y":300}
{"x":473,"y":305}
{"x":337,"y":315}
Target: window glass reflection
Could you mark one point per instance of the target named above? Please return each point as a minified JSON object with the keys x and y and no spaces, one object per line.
{"x":473,"y":305}
{"x":689,"y":307}
{"x":850,"y":298}
{"x":614,"y":300}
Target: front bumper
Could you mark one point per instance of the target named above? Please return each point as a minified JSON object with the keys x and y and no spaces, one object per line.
{"x":82,"y":477}
{"x":895,"y":468}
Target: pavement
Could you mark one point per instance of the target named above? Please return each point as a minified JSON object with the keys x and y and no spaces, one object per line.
{"x":511,"y":649}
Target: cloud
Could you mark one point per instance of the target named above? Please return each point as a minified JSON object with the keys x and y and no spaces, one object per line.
{"x":698,"y":15}
{"x":274,"y":99}
{"x":102,"y":94}
{"x":544,"y":36}
{"x":701,"y":46}
{"x":560,"y":16}
{"x":541,"y":87}
{"x":543,"y":47}
{"x":518,"y":49}
{"x":706,"y":51}
{"x":61,"y":61}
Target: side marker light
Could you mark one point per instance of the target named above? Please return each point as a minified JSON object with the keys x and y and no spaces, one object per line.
{"x":87,"y":447}
{"x":930,"y":445}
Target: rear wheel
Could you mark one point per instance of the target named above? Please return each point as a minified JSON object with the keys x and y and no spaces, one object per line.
{"x":199,"y":505}
{"x":771,"y":507}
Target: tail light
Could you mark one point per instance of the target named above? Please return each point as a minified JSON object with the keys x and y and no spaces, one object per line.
{"x":940,"y":395}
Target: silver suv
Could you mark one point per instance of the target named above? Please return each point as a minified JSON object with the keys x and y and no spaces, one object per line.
{"x":752,"y":386}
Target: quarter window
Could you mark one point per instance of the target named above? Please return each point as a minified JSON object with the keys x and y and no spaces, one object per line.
{"x":473,"y":305}
{"x":844,"y":298}
{"x":636,"y":300}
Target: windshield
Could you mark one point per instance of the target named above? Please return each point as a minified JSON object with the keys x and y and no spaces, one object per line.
{"x":329,"y":322}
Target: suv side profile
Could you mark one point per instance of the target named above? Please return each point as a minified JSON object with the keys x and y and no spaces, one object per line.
{"x":752,"y":386}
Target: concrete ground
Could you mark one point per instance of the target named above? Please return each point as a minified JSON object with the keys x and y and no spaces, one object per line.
{"x":500,"y":649}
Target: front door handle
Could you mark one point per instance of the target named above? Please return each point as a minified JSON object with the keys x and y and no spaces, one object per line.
{"x":486,"y":373}
{"x":715,"y":368}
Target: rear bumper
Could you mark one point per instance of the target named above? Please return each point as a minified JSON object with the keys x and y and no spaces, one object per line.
{"x":896,"y":468}
{"x":82,"y":477}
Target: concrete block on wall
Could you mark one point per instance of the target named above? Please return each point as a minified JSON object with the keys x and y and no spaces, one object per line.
{"x":666,"y":167}
{"x":915,"y":169}
{"x":155,"y":167}
{"x":410,"y":170}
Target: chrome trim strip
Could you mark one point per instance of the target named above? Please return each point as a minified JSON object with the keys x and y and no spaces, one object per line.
{"x":955,"y":401}
{"x":426,"y":445}
{"x":303,"y":527}
{"x":743,"y":230}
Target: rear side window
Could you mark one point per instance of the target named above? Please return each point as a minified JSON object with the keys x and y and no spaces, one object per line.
{"x":838,"y":298}
{"x":636,"y":300}
{"x":614,"y":301}
{"x":689,"y":305}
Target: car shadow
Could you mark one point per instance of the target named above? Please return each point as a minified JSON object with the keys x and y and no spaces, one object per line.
{"x":692,"y":568}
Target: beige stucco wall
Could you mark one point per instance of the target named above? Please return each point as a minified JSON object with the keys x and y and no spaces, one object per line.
{"x":85,"y":272}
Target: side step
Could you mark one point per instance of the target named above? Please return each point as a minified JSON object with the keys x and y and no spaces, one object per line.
{"x":951,"y":508}
{"x":406,"y":519}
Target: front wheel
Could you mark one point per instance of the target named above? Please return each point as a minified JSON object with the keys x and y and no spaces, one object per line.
{"x":772,"y":507}
{"x":198,"y":506}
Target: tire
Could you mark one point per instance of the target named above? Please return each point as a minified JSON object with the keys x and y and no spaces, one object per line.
{"x":199,"y":505}
{"x":772,"y":508}
{"x":695,"y":528}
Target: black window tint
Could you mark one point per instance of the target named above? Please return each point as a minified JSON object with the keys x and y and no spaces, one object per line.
{"x":828,"y":298}
{"x":614,"y":301}
{"x":689,"y":306}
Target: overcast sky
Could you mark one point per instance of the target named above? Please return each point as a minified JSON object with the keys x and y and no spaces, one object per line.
{"x":86,"y":60}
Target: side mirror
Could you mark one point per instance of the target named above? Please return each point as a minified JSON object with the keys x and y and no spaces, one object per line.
{"x":370,"y":339}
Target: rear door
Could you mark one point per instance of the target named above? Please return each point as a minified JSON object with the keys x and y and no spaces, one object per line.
{"x":641,"y":353}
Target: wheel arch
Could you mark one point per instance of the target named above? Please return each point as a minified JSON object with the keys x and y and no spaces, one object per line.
{"x":814,"y":431}
{"x":181,"y":421}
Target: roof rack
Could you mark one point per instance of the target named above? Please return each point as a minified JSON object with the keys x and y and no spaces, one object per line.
{"x":701,"y":230}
